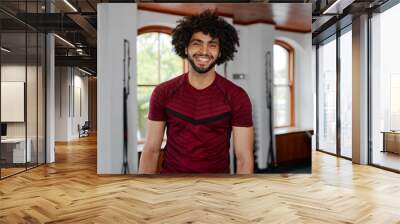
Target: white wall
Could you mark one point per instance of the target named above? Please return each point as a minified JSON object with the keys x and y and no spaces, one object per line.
{"x":17,"y":73}
{"x":67,"y":80}
{"x":255,"y":41}
{"x":81,"y":108}
{"x":146,"y":18}
{"x":12,"y":101}
{"x":116,"y":22}
{"x":314,"y":75}
{"x":61,"y":103}
{"x":304,"y":80}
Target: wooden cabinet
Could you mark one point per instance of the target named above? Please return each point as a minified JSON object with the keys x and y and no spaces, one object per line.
{"x":391,"y":141}
{"x":293,"y":146}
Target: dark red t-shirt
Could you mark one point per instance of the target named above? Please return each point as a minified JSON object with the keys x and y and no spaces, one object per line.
{"x":199,"y":123}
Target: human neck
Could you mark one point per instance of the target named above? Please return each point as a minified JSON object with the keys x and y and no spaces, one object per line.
{"x":201,"y":81}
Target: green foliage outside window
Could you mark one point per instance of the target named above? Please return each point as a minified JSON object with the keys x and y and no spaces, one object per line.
{"x":156,"y":63}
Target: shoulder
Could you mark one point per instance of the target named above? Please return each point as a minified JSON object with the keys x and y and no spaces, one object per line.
{"x":239,"y":102}
{"x":169,"y":87}
{"x":230,"y":89}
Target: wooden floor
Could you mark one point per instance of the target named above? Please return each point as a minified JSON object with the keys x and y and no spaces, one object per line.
{"x":5,"y":172}
{"x":386,"y":159}
{"x":70,"y":191}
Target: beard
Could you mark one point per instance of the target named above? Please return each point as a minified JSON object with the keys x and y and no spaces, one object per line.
{"x":199,"y":69}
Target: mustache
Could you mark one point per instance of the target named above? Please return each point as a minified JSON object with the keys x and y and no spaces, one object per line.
{"x":203,"y":55}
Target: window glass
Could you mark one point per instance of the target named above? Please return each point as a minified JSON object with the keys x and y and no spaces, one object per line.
{"x":281,"y":65}
{"x":282,"y":87}
{"x":156,"y":63}
{"x":346,"y":94}
{"x":385,"y":89}
{"x":327,"y":97}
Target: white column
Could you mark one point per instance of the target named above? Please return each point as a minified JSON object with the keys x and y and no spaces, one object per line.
{"x":66,"y":129}
{"x":50,"y":99}
{"x":261,"y":42}
{"x":116,"y":22}
{"x":360,"y":90}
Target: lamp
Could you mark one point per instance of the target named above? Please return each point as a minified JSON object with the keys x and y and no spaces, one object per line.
{"x":5,"y":50}
{"x":70,"y":5}
{"x":64,"y":40}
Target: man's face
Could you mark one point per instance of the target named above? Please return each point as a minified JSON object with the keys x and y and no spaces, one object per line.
{"x":203,"y":51}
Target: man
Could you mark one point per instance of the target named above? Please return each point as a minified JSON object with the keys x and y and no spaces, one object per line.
{"x":200,"y":108}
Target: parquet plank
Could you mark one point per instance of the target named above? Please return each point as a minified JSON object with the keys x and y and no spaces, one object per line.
{"x":70,"y":191}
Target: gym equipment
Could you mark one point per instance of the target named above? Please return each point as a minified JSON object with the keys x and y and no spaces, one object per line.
{"x":126,"y":80}
{"x":268,"y":70}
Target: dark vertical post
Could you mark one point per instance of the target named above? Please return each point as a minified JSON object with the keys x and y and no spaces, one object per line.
{"x":338,"y":81}
{"x":45,"y":88}
{"x":37,"y":89}
{"x":317,"y":96}
{"x":26,"y":85}
{"x":0,"y":95}
{"x":369,"y":90}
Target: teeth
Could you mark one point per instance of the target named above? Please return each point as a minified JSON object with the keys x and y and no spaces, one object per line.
{"x":203,"y":59}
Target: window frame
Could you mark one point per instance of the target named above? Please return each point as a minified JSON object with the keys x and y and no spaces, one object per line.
{"x":347,"y":27}
{"x":161,"y":29}
{"x":290,"y":50}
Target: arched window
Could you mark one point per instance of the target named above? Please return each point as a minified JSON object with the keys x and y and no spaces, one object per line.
{"x":283,"y":85}
{"x":156,"y":63}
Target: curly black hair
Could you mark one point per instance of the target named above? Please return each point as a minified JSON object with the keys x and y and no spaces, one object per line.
{"x":207,"y":22}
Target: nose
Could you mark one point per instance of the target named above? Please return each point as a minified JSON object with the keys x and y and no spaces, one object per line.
{"x":204,"y":49}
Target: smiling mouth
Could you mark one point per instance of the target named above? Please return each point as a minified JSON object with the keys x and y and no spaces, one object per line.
{"x":201,"y":63}
{"x":203,"y":59}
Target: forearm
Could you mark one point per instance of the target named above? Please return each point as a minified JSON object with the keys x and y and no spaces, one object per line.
{"x":149,"y":161}
{"x":243,"y":142}
{"x":245,"y":165}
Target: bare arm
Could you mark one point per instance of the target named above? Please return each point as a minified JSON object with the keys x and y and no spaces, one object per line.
{"x":243,"y":142}
{"x":151,"y":149}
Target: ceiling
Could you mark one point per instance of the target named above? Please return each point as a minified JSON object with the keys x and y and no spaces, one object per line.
{"x":333,"y":15}
{"x":294,"y":17}
{"x":80,"y":27}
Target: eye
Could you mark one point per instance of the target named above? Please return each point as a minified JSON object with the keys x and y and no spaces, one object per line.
{"x":213,"y":45}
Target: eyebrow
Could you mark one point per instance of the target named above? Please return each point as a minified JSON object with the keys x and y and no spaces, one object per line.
{"x":215,"y":40}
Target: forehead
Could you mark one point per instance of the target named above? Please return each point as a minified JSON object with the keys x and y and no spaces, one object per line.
{"x":203,"y":37}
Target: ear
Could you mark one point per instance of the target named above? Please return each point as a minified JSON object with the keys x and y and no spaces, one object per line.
{"x":186,"y":52}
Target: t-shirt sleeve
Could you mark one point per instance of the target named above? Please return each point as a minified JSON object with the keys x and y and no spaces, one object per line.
{"x":157,"y":105}
{"x":242,"y":111}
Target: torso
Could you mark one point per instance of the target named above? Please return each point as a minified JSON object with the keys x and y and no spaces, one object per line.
{"x":198,"y":126}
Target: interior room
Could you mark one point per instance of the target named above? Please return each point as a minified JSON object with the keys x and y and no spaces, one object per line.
{"x":290,"y":50}
{"x":385,"y":86}
{"x":322,"y":77}
{"x":337,"y":82}
{"x":22,"y":100}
